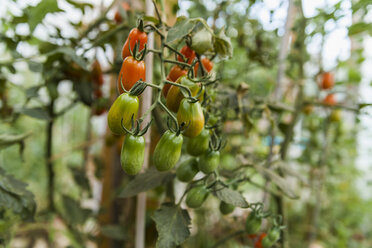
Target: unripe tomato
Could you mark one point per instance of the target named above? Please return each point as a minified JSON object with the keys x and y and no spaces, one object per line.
{"x":167,"y":151}
{"x":187,"y":170}
{"x":191,"y":113}
{"x":226,"y":208}
{"x":336,"y":115}
{"x":132,"y":154}
{"x":135,"y":36}
{"x":131,"y":71}
{"x":253,"y":224}
{"x":207,"y":64}
{"x":327,"y":81}
{"x":188,"y":53}
{"x":209,"y":161}
{"x":176,"y":72}
{"x":175,"y":96}
{"x":329,"y":100}
{"x":201,"y":41}
{"x":308,"y":109}
{"x":124,"y":107}
{"x":199,"y":144}
{"x":274,"y":234}
{"x":196,"y":196}
{"x":97,"y":75}
{"x":266,"y":242}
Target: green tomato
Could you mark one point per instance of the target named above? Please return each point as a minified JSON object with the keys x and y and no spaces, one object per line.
{"x":199,"y":144}
{"x":226,"y":208}
{"x":267,"y":243}
{"x":167,"y":151}
{"x":187,"y":170}
{"x":196,"y":196}
{"x":132,"y":154}
{"x":274,"y":234}
{"x":253,"y":224}
{"x":124,"y":107}
{"x":209,"y":161}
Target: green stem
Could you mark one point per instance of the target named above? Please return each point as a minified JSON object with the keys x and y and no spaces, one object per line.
{"x":177,"y":62}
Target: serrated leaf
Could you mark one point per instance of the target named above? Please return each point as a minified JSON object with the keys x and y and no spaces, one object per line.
{"x":15,"y":197}
{"x":11,"y":139}
{"x":38,"y":113}
{"x":229,"y":196}
{"x":146,"y":181}
{"x":37,"y":13}
{"x":183,"y":27}
{"x":172,"y":224}
{"x":73,"y":212}
{"x":222,"y":45}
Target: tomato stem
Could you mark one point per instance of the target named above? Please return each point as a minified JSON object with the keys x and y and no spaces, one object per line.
{"x":177,"y":62}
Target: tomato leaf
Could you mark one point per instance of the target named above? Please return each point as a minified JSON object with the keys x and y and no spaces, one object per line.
{"x":116,"y":232}
{"x":73,"y":212}
{"x":183,"y":27}
{"x":146,"y":181}
{"x":15,"y":197}
{"x":37,"y":112}
{"x":172,"y":224}
{"x":37,"y":13}
{"x":229,"y":196}
{"x":222,"y":45}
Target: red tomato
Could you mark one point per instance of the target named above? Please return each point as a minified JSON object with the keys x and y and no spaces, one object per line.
{"x":131,"y":71}
{"x":188,"y":53}
{"x":175,"y":73}
{"x":135,"y":36}
{"x":329,"y":100}
{"x":258,"y":243}
{"x":208,"y":65}
{"x":327,"y":81}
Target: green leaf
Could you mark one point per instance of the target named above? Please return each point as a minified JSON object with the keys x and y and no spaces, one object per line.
{"x":73,"y":212}
{"x":84,"y":90}
{"x":38,"y":113}
{"x":15,"y":197}
{"x":32,"y":91}
{"x":114,"y":231}
{"x":152,"y":19}
{"x":360,"y":27}
{"x":37,"y":13}
{"x":183,"y":27}
{"x":172,"y":224}
{"x":146,"y":181}
{"x":35,"y":66}
{"x":11,"y":139}
{"x":222,"y":45}
{"x":229,"y":196}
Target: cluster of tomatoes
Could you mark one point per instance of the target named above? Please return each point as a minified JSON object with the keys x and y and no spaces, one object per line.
{"x":327,"y":83}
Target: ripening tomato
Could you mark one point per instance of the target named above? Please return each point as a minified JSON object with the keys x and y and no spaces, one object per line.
{"x":259,"y":242}
{"x":191,"y":113}
{"x":327,"y":81}
{"x":176,"y":72}
{"x":209,"y":161}
{"x":253,"y":223}
{"x":188,"y":53}
{"x":125,"y":107}
{"x":135,"y":36}
{"x":175,"y":96}
{"x":187,"y":170}
{"x":117,"y":16}
{"x":167,"y":151}
{"x":132,"y":154}
{"x":226,"y":208}
{"x":329,"y":100}
{"x":196,"y":196}
{"x":199,"y":144}
{"x":131,"y":71}
{"x":207,"y":64}
{"x":97,"y":74}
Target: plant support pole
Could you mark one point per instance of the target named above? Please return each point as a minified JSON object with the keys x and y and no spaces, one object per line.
{"x":145,"y":104}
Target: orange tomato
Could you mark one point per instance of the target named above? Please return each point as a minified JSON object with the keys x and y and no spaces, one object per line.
{"x":188,"y":53}
{"x":131,"y":71}
{"x":135,"y":36}
{"x":329,"y":100}
{"x":207,"y":64}
{"x":327,"y":81}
